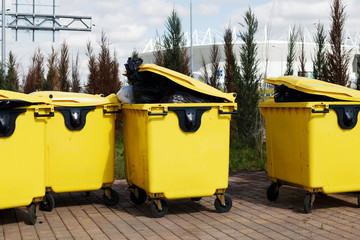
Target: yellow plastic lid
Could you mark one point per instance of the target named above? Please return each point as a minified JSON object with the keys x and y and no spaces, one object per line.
{"x":9,"y":95}
{"x":76,"y":99}
{"x":317,"y":87}
{"x":187,"y":82}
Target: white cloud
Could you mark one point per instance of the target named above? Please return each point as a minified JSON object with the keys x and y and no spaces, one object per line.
{"x":287,"y":13}
{"x":154,"y":8}
{"x":130,"y":23}
{"x":207,"y":10}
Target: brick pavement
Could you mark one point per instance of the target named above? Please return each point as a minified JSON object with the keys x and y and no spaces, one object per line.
{"x":252,"y":216}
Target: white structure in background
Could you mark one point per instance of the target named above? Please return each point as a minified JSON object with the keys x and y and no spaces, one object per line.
{"x":274,"y":50}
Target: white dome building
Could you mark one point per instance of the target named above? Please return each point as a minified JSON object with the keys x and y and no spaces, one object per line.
{"x":272,"y":52}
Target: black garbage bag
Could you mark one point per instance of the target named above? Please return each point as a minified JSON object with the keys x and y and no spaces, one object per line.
{"x":179,"y":94}
{"x":132,"y":67}
{"x":149,"y":87}
{"x":285,"y":94}
{"x":13,"y":103}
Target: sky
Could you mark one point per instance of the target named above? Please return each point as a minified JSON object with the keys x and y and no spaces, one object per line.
{"x":130,"y":24}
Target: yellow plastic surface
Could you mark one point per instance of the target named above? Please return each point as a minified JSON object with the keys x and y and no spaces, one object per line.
{"x":81,"y":160}
{"x":21,"y":96}
{"x":75,"y":99}
{"x":188,"y":82}
{"x":22,"y":173}
{"x":311,"y":150}
{"x":317,"y":87}
{"x":162,"y":159}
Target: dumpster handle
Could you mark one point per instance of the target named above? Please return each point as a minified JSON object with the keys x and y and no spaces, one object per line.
{"x":8,"y":121}
{"x":44,"y":115}
{"x":157,"y":114}
{"x":222,"y":112}
{"x":117,"y":111}
{"x":326,"y":110}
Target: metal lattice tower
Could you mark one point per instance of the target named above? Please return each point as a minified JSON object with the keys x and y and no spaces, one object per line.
{"x":33,"y":21}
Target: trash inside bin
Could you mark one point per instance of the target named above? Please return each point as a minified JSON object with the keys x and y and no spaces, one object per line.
{"x":22,"y":145}
{"x":151,"y":86}
{"x":312,"y":143}
{"x":178,"y":150}
{"x":80,"y":141}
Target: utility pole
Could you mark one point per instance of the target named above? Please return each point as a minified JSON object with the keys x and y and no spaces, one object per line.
{"x":191,"y":42}
{"x":3,"y":38}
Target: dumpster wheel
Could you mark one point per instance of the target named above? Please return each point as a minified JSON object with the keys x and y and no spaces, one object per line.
{"x":222,"y":203}
{"x":309,"y":202}
{"x":32,"y":213}
{"x":110,"y":197}
{"x":358,"y":200}
{"x":48,"y":203}
{"x":158,"y":208}
{"x":272,"y":192}
{"x":138,"y":195}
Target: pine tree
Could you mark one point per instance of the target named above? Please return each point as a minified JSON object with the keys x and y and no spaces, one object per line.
{"x":185,"y":58}
{"x":291,"y":56}
{"x":2,"y":77}
{"x":93,"y":70}
{"x":173,"y":41}
{"x":115,"y":80}
{"x":248,"y":84}
{"x":135,"y":54}
{"x":108,"y":79}
{"x":357,"y":72}
{"x":35,"y":77}
{"x":302,"y":58}
{"x":64,"y":66}
{"x":338,"y":58}
{"x":158,"y":54}
{"x":319,"y":58}
{"x":230,"y":61}
{"x":52,"y":77}
{"x":103,"y":70}
{"x":215,"y":57}
{"x":205,"y":77}
{"x":75,"y":76}
{"x":12,"y":79}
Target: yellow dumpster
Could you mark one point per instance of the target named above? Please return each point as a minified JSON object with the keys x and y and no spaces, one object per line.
{"x":80,"y":140}
{"x":178,"y":150}
{"x":312,"y":144}
{"x":23,"y":121}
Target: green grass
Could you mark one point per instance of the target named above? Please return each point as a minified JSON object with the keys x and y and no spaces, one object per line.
{"x":245,"y":159}
{"x":240,"y":159}
{"x":119,"y":157}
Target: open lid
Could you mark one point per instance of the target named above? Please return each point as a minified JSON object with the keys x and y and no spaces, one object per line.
{"x":76,"y":99}
{"x":187,"y":82}
{"x":317,"y":87}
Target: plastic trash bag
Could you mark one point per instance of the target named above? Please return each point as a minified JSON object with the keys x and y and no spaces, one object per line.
{"x":149,"y":87}
{"x":285,"y":94}
{"x":13,"y":103}
{"x":125,"y":94}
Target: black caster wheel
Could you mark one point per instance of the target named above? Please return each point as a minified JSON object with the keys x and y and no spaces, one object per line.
{"x":196,"y":199}
{"x":358,"y":200}
{"x":48,"y":204}
{"x":220,"y":208}
{"x":32,"y":214}
{"x":138,"y":198}
{"x":155,"y":210}
{"x":113,"y":200}
{"x":308,"y":203}
{"x":272,"y":193}
{"x":321,"y":194}
{"x":87,"y":193}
